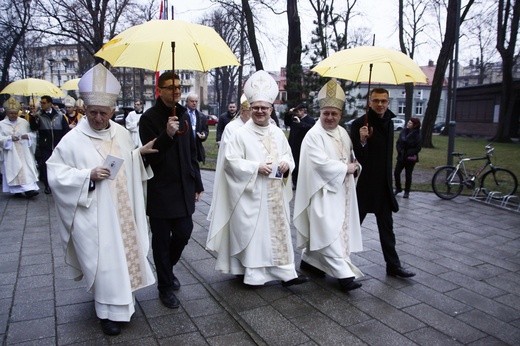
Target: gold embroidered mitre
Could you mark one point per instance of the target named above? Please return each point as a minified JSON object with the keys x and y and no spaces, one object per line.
{"x":331,"y":95}
{"x":99,"y":87}
{"x":261,"y":86}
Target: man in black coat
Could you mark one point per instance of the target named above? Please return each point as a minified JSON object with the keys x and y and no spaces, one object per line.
{"x":175,"y":186}
{"x":300,"y":123}
{"x":199,"y":125}
{"x":51,"y":126}
{"x":224,"y":119}
{"x":373,"y":137}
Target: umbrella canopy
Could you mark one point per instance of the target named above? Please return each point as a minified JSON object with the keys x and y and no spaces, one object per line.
{"x":371,"y":64}
{"x":71,"y":84}
{"x":32,"y":86}
{"x":149,"y":46}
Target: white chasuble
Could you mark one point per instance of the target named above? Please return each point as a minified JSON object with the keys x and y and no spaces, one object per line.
{"x":19,"y":173}
{"x":250,"y":228}
{"x":325,"y":209}
{"x":105,"y":231}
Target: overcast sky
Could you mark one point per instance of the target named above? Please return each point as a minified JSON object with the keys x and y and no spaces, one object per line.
{"x":380,"y":15}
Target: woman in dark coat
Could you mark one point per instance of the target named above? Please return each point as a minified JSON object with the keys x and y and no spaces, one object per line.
{"x":408,"y":146}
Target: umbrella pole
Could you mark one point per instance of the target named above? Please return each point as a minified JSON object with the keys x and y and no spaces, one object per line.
{"x":174,"y":110}
{"x":368,"y":93}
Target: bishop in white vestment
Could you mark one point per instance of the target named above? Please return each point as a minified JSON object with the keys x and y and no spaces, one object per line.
{"x":17,"y":145}
{"x":250,"y":226}
{"x":325,"y":209}
{"x":101,"y":209}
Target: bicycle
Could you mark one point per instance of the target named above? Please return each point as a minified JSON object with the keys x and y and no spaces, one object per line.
{"x":448,"y":181}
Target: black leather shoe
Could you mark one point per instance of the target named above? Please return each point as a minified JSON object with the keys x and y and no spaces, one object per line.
{"x":296,"y":281}
{"x":400,"y":271}
{"x":348,"y":284}
{"x":176,"y":284}
{"x":47,"y":190}
{"x":169,"y":300}
{"x":110,"y":327}
{"x":309,"y":268}
{"x":406,"y":195}
{"x":31,"y":193}
{"x":397,"y":191}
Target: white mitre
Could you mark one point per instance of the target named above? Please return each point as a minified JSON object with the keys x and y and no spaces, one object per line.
{"x":261,"y":86}
{"x":69,"y":101}
{"x":99,"y":87}
{"x":331,"y":95}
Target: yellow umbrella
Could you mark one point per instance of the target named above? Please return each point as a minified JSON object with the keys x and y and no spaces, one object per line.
{"x":71,"y":84}
{"x":32,"y":86}
{"x":152,"y":46}
{"x":371,"y":64}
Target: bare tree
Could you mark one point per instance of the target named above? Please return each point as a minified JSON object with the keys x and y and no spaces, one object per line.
{"x":15,"y":18}
{"x":88,"y":23}
{"x":411,"y":25}
{"x":507,"y":33}
{"x":294,"y":52}
{"x":443,"y":60}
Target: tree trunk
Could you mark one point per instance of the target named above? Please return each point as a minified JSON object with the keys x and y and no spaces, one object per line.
{"x":294,"y":52}
{"x":251,"y":35}
{"x":443,"y":59}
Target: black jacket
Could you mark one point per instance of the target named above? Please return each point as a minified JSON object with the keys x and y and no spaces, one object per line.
{"x":297,"y":133}
{"x":408,"y":143}
{"x":374,"y":187}
{"x":171,"y":191}
{"x":201,"y":127}
{"x":223,"y":120}
{"x":51,"y":129}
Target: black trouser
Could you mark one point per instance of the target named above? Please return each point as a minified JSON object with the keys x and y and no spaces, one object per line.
{"x":169,"y":237}
{"x":41,"y":158}
{"x":385,"y":225}
{"x":408,"y":170}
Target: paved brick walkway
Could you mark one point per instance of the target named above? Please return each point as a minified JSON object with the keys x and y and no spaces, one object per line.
{"x":466,"y":255}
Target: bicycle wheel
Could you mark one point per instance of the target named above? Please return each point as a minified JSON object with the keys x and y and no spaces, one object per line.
{"x":447,"y":182}
{"x":499,"y":180}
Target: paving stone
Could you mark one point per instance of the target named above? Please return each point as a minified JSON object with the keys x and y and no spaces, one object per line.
{"x":430,"y":336}
{"x":324,"y":331}
{"x":446,"y":324}
{"x":75,"y":312}
{"x":191,"y":292}
{"x":171,"y":325}
{"x":489,"y":306}
{"x":239,"y":297}
{"x":388,"y":294}
{"x":387,"y":314}
{"x":6,"y":291}
{"x":31,"y":311}
{"x":35,"y":269}
{"x":202,"y":307}
{"x":35,"y":281}
{"x":37,"y":259}
{"x":217,"y":324}
{"x":471,"y":284}
{"x":439,"y":301}
{"x":73,"y":296}
{"x":86,"y":332}
{"x":30,"y":330}
{"x":499,"y":329}
{"x":188,"y":339}
{"x":154,"y":308}
{"x":374,"y":332}
{"x":292,"y":306}
{"x":273,"y":327}
{"x":33,"y":295}
{"x":240,"y":338}
{"x":42,"y":342}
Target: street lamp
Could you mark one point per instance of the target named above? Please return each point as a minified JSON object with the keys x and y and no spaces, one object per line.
{"x":51,"y":64}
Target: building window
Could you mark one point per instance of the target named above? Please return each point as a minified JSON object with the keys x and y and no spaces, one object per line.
{"x":401,"y":108}
{"x":419,"y":108}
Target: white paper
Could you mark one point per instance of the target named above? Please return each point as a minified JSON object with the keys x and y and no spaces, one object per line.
{"x":275,"y":173}
{"x":113,"y":164}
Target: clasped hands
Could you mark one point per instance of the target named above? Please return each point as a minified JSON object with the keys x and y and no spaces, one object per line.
{"x":17,"y":138}
{"x":266,"y":169}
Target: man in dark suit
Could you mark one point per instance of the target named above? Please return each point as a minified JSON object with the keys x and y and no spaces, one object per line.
{"x":199,"y":125}
{"x":300,"y":123}
{"x":224,"y":119}
{"x":373,"y":140}
{"x":176,"y":184}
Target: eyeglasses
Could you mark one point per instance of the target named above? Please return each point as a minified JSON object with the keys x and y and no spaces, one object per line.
{"x":377,"y":101}
{"x":93,"y":113}
{"x":260,"y":109}
{"x":171,"y":87}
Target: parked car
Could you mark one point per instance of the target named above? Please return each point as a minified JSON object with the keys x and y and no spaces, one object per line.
{"x":398,"y":124}
{"x":212,"y":119}
{"x":438,"y":127}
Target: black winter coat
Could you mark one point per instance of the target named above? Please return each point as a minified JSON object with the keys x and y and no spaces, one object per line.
{"x":408,"y":143}
{"x":171,"y":191}
{"x":374,"y":186}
